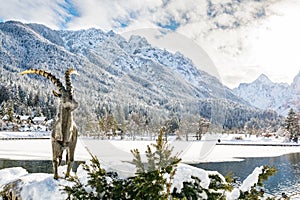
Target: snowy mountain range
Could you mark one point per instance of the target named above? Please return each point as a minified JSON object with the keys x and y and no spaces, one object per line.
{"x":113,"y":71}
{"x":265,"y":94}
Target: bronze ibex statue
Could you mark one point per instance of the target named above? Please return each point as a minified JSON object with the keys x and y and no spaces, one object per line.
{"x":64,"y":134}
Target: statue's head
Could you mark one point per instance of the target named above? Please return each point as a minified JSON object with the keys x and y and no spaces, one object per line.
{"x":65,"y":94}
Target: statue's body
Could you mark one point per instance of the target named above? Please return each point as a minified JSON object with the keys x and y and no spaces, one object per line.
{"x":64,"y":134}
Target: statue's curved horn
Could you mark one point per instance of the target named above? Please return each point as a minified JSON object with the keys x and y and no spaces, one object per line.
{"x":69,"y":87}
{"x":47,"y":75}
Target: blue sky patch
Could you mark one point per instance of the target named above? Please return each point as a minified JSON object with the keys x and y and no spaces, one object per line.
{"x":71,"y":10}
{"x":172,"y":25}
{"x":70,"y":7}
{"x":122,"y":23}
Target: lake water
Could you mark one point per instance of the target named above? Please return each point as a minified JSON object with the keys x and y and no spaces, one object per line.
{"x":287,"y":178}
{"x":34,"y":166}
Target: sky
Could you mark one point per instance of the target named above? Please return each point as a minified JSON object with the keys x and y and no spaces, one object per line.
{"x":233,"y":40}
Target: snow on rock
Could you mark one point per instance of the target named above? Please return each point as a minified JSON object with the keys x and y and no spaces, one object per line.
{"x":34,"y":185}
{"x":234,"y":194}
{"x":184,"y":173}
{"x":7,"y":175}
{"x":82,"y":175}
{"x":42,"y":185}
{"x":251,"y":179}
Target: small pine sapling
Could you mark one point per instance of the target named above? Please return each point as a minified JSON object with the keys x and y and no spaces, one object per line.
{"x":154,"y":179}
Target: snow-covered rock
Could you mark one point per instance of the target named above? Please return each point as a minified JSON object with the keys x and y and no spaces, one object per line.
{"x":20,"y":184}
{"x":251,"y":179}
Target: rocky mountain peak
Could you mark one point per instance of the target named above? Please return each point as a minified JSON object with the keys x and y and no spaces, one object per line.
{"x":296,"y":83}
{"x":263,"y":79}
{"x":265,"y":94}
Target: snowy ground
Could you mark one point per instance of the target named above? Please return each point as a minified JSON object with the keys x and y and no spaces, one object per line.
{"x":37,"y":149}
{"x":207,"y":150}
{"x":115,"y":154}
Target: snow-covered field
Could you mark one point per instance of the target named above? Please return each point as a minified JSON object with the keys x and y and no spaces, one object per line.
{"x":228,"y":148}
{"x":115,"y":154}
{"x":35,"y":149}
{"x":207,"y":150}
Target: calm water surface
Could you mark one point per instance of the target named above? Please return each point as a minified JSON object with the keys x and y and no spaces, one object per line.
{"x":34,"y":166}
{"x":287,"y":179}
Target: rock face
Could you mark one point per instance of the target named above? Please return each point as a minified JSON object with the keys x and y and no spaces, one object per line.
{"x":264,"y":94}
{"x":296,"y":84}
{"x":12,"y":190}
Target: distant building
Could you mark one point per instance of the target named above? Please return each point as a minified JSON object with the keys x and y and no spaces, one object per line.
{"x":25,"y":123}
{"x":5,"y":118}
{"x":39,"y":120}
{"x":23,"y":119}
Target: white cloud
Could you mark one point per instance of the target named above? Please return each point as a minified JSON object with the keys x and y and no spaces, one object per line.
{"x":47,"y":12}
{"x":103,"y":14}
{"x":92,"y":13}
{"x":278,"y":43}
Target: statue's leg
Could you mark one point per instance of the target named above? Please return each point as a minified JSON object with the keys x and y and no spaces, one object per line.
{"x":70,"y":154}
{"x":56,"y":157}
{"x":70,"y":160}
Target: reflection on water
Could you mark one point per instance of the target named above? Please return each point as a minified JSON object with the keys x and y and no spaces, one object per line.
{"x":34,"y":166}
{"x":287,"y":179}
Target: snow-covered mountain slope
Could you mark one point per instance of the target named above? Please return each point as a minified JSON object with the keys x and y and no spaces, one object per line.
{"x":265,"y":94}
{"x":112,"y":70}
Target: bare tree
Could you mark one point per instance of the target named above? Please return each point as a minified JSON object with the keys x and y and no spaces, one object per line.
{"x":188,"y":125}
{"x":203,"y":126}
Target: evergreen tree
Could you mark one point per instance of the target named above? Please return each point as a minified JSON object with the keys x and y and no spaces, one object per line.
{"x":4,"y":94}
{"x":10,"y":110}
{"x":154,"y":179}
{"x":108,"y":123}
{"x":292,"y":125}
{"x":171,"y":125}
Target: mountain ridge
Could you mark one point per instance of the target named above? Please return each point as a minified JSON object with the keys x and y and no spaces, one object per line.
{"x":115,"y":73}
